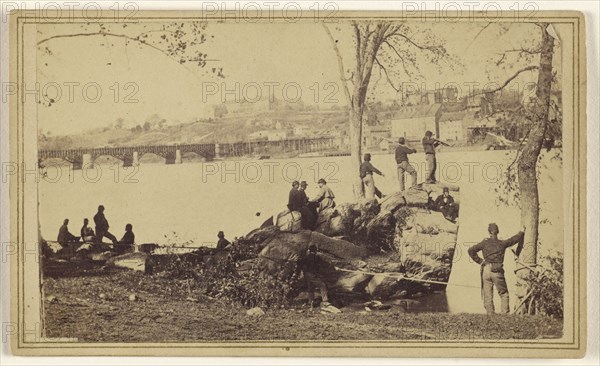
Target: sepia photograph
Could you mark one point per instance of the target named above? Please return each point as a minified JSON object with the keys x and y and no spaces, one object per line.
{"x":290,"y":182}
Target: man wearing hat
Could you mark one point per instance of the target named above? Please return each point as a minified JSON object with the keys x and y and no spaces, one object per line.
{"x":295,"y":198}
{"x":325,"y":196}
{"x":366,"y":174}
{"x":222,"y":243}
{"x":445,"y":204}
{"x":429,"y":145}
{"x":308,"y":209}
{"x":402,"y":152}
{"x":492,"y":266}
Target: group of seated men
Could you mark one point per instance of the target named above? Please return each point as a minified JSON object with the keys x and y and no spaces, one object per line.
{"x":87,"y":234}
{"x":298,"y":201}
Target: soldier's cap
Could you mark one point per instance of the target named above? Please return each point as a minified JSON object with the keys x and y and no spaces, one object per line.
{"x":401,"y":140}
{"x":312,"y":248}
{"x":303,"y":183}
{"x":322,"y":181}
{"x":367,"y":157}
{"x":493,"y":228}
{"x":295,"y":183}
{"x":445,"y":189}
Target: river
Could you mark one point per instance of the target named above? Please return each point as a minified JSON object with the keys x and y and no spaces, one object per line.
{"x":189,"y":203}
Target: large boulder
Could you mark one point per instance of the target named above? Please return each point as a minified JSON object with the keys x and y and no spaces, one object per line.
{"x":431,"y":221}
{"x":351,"y":282}
{"x":289,"y":220}
{"x":135,"y":261}
{"x":383,"y":286}
{"x":411,"y":197}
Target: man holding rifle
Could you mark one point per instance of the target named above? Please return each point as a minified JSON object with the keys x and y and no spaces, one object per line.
{"x":429,"y":145}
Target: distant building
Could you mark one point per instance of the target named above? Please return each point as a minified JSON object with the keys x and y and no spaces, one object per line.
{"x":412,"y":122}
{"x":453,"y":126}
{"x":301,"y":130}
{"x":418,"y":97}
{"x":268,"y":135}
{"x":374,"y":135}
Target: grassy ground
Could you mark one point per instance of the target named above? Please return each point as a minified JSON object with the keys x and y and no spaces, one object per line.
{"x":91,"y":304}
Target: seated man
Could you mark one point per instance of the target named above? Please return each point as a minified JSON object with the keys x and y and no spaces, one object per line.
{"x":446,"y":205}
{"x":64,"y":236}
{"x":222,"y":243}
{"x":87,"y":233}
{"x":128,"y":237}
{"x":325,"y":196}
{"x":308,"y":208}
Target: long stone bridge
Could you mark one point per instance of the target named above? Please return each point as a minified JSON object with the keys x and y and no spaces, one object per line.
{"x":172,"y":154}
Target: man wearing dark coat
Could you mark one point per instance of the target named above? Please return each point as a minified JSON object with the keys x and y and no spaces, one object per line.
{"x":102,"y":226}
{"x":445,"y":204}
{"x":129,"y":236}
{"x":295,"y":202}
{"x":492,"y":266}
{"x":64,"y":236}
{"x":222,"y":243}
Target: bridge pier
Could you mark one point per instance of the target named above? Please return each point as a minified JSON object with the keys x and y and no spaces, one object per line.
{"x":127,"y":160}
{"x":77,"y":163}
{"x":86,"y":161}
{"x":178,"y":156}
{"x":136,"y":159}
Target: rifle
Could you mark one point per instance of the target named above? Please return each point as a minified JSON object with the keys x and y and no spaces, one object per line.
{"x":442,"y":143}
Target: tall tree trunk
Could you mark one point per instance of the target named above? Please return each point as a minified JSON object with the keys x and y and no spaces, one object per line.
{"x":356,"y":151}
{"x":528,"y":185}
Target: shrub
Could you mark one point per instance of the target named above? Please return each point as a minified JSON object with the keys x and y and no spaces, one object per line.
{"x":546,"y":287}
{"x":218,"y":277}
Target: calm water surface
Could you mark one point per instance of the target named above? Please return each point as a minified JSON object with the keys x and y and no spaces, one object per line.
{"x":191,"y":202}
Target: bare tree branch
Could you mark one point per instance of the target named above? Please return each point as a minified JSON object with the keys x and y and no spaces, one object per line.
{"x":478,"y":34}
{"x":409,"y":40}
{"x":386,"y":75}
{"x":400,"y":57}
{"x":507,"y":81}
{"x":340,"y":65}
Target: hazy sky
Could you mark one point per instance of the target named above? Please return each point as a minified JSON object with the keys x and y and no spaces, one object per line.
{"x":287,"y":56}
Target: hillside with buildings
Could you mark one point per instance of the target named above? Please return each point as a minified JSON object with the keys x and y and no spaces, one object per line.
{"x":460,"y":121}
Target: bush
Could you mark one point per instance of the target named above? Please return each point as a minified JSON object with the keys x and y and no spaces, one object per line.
{"x":217,"y":276}
{"x":546,"y":287}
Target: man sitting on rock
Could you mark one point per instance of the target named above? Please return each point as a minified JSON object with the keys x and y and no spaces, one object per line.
{"x":295,"y":199}
{"x":325,"y":196}
{"x":315,"y":270}
{"x":87,"y":233}
{"x":445,"y":204}
{"x":64,"y":236}
{"x":222,"y":243}
{"x":129,"y":237}
{"x":308,"y":209}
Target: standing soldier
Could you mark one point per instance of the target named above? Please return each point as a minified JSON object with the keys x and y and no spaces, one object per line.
{"x":492,"y":266}
{"x":366,"y":174}
{"x":429,"y":145}
{"x":402,"y":152}
{"x":102,"y":227}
